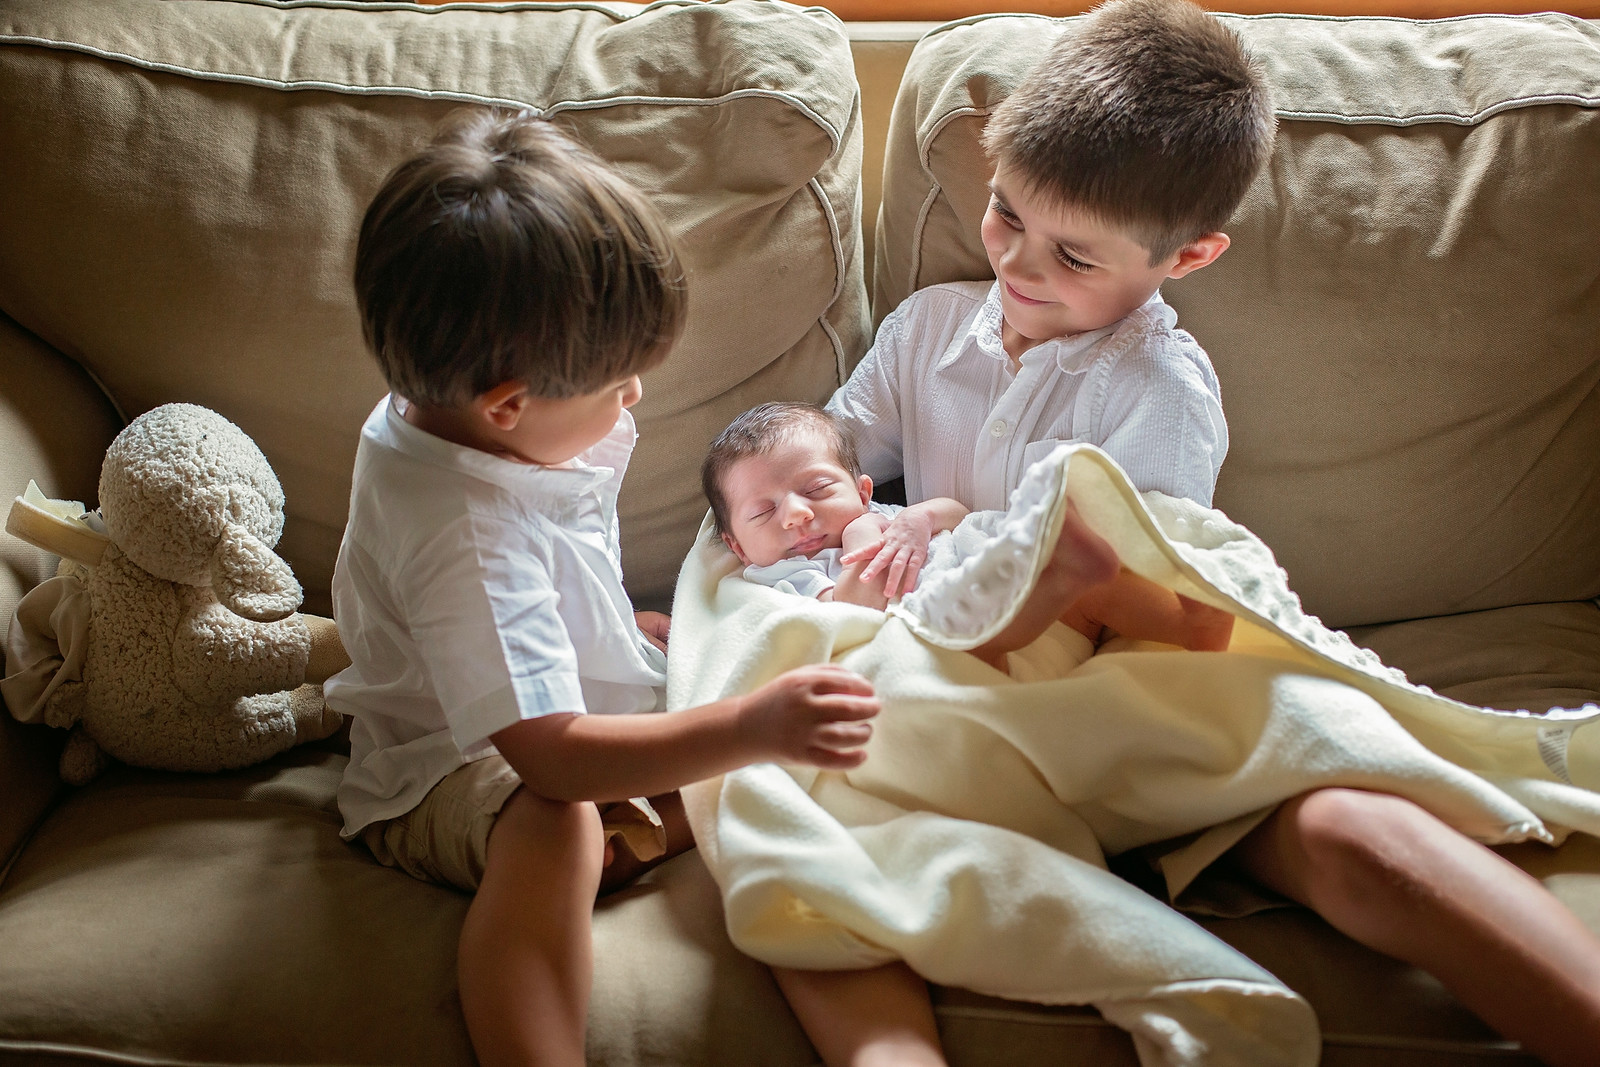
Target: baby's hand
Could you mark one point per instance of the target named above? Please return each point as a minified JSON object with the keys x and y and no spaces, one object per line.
{"x":816,"y":715}
{"x":655,"y":627}
{"x":898,"y":554}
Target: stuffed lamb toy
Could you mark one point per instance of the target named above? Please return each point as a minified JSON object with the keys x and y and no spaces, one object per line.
{"x":169,"y":638}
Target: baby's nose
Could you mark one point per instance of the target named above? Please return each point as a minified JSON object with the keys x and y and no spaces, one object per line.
{"x":796,"y":512}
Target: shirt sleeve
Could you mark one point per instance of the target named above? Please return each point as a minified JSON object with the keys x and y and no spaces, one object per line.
{"x":483,"y":612}
{"x":1162,"y":420}
{"x":869,"y":402}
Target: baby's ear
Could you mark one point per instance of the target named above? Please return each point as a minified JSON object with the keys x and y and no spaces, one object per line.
{"x":733,"y":546}
{"x":864,"y":487}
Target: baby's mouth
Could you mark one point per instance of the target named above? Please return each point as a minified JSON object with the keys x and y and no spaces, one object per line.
{"x":806,"y":546}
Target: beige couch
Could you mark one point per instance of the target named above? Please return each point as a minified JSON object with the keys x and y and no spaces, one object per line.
{"x":1407,"y":331}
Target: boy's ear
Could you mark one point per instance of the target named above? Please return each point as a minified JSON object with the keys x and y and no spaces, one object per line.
{"x":1200,"y":252}
{"x":864,"y":487}
{"x":502,"y":405}
{"x":733,"y":546}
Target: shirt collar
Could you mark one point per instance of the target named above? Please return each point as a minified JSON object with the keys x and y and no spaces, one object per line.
{"x":547,"y":485}
{"x":1072,"y":354}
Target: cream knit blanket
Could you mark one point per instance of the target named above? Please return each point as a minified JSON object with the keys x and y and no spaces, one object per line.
{"x":972,"y":841}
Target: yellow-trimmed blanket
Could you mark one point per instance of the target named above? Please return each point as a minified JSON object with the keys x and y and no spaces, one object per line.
{"x":972,"y":841}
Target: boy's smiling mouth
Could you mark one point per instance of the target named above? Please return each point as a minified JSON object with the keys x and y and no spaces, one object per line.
{"x":1019,"y":297}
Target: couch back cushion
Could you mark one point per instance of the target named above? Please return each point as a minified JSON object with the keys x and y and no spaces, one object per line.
{"x":1407,"y":325}
{"x":185,"y":181}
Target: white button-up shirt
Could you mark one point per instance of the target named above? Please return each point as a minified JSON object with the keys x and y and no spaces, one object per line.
{"x":938,"y":400}
{"x":473,"y":592}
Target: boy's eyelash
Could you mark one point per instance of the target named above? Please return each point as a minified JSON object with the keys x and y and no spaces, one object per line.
{"x":1067,"y":259}
{"x":1072,"y":262}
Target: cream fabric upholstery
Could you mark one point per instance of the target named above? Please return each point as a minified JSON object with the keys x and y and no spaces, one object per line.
{"x":186,"y":180}
{"x":1406,"y":325}
{"x":182,"y":182}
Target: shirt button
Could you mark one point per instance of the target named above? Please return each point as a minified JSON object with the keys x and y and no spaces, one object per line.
{"x":998,"y":429}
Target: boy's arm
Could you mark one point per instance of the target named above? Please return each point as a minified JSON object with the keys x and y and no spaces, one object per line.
{"x":903,"y":548}
{"x":869,"y":401}
{"x":816,"y":715}
{"x":1163,"y":421}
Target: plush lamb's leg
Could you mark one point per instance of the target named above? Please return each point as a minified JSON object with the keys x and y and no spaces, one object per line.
{"x":81,"y":759}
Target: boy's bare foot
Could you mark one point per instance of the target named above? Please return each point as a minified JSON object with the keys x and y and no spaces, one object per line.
{"x":1082,"y":560}
{"x":1207,"y":629}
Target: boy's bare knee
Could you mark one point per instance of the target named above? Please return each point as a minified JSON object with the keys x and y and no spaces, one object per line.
{"x":1360,"y":847}
{"x":556,"y":832}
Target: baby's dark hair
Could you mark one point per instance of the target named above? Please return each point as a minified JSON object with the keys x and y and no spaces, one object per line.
{"x":507,"y":251}
{"x":757,"y":432}
{"x":1149,"y":115}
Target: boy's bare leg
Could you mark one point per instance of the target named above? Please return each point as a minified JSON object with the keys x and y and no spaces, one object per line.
{"x":525,"y":960}
{"x":1082,"y":560}
{"x":880,"y":1017}
{"x":1393,"y":877}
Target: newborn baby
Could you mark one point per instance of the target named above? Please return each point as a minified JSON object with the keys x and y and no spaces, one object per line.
{"x":789,"y":500}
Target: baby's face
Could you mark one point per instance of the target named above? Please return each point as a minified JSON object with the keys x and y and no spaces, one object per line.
{"x":794,"y":501}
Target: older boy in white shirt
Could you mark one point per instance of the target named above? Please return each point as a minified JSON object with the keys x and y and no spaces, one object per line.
{"x":1117,"y":162}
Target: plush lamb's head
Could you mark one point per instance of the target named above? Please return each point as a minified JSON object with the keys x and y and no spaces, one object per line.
{"x":187,"y":496}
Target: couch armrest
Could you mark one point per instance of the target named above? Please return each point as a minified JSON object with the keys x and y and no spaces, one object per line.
{"x":55,"y":424}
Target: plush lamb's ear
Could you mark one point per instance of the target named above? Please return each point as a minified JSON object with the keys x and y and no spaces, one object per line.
{"x":250,"y":580}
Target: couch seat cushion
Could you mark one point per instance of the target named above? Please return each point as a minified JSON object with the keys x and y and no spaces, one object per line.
{"x":1531,"y":657}
{"x":220,"y":919}
{"x":178,"y":919}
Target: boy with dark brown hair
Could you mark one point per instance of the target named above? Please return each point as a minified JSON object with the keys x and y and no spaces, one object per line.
{"x":513,"y":288}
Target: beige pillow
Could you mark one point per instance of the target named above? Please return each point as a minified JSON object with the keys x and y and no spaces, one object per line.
{"x":1407,"y":327}
{"x":185,"y":182}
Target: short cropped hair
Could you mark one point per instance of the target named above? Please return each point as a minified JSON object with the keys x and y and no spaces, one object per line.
{"x":507,"y":251}
{"x":757,"y":432}
{"x":1149,"y":115}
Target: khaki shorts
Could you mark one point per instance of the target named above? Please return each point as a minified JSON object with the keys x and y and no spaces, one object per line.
{"x":445,"y":839}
